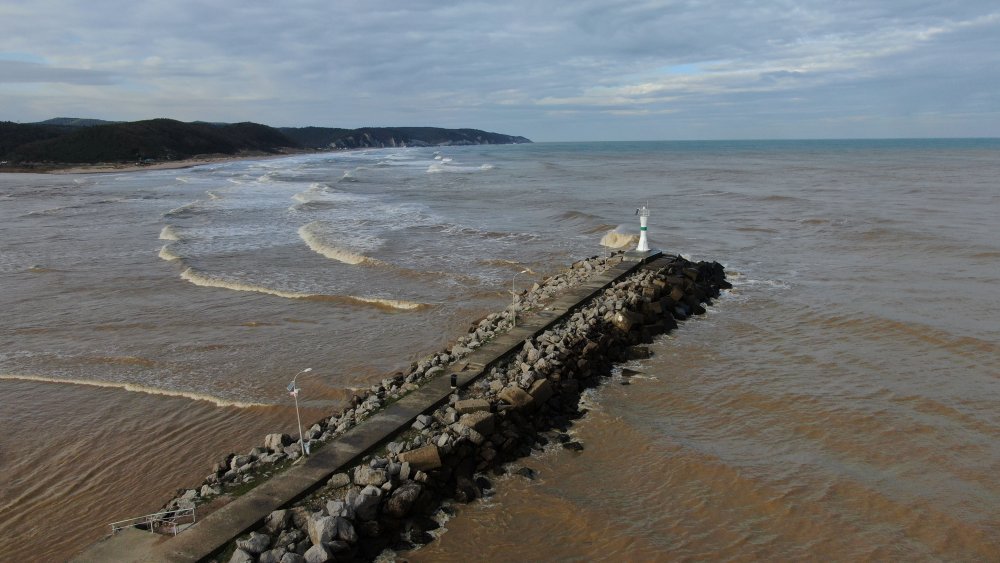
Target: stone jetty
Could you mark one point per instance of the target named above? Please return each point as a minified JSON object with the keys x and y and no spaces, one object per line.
{"x":517,"y":390}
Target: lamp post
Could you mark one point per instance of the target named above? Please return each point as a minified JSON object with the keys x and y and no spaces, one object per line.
{"x":513,"y":297}
{"x":294,"y":392}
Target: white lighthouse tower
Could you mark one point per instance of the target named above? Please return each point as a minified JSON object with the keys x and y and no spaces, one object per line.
{"x":643,"y":213}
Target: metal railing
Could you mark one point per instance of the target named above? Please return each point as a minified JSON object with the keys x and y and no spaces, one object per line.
{"x":167,"y":521}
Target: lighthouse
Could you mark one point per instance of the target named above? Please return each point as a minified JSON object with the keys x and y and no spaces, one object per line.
{"x":643,"y":213}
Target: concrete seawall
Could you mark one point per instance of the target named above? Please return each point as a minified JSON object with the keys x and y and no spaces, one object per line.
{"x":510,"y":388}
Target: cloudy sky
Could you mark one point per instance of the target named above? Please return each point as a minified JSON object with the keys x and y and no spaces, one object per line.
{"x":569,"y":70}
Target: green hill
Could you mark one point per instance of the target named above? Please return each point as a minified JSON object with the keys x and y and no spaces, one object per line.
{"x":366,"y":137}
{"x":64,"y":140}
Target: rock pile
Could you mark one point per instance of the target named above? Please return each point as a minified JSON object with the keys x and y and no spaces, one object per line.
{"x":521,"y":404}
{"x":238,"y":472}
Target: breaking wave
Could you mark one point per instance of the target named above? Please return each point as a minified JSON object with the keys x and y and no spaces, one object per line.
{"x":197,"y":278}
{"x":168,"y":233}
{"x":444,"y":166}
{"x":618,"y":239}
{"x":185,"y":209}
{"x":309,"y":233}
{"x":136,"y":388}
{"x":167,"y":254}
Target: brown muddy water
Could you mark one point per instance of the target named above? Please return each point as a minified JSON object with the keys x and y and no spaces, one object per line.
{"x":840,"y":403}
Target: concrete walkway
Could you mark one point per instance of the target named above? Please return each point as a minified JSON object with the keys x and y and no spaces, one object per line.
{"x":210,"y":535}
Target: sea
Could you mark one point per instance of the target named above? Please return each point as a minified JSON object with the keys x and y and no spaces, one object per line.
{"x":841,"y":402}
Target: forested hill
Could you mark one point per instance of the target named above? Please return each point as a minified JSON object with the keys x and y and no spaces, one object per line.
{"x":85,"y":141}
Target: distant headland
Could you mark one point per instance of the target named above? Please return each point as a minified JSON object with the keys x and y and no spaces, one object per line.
{"x":74,"y":144}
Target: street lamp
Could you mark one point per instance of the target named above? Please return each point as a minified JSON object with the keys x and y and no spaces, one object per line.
{"x":513,"y":297}
{"x":294,"y":392}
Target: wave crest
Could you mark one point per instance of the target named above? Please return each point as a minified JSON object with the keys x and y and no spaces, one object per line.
{"x":618,"y":239}
{"x":135,"y":388}
{"x":311,"y":234}
{"x":203,"y":280}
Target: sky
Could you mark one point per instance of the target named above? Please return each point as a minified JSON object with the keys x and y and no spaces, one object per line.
{"x":579,"y":70}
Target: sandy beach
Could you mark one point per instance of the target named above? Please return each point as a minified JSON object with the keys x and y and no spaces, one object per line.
{"x":111,"y":167}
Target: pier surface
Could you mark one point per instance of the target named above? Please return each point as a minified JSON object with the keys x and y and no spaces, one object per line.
{"x":211,"y":534}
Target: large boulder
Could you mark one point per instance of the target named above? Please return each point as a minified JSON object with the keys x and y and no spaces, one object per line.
{"x":401,"y":502}
{"x":277,"y":442}
{"x":482,"y":422}
{"x":365,"y":475}
{"x":322,"y":529}
{"x":515,"y":396}
{"x":541,"y":391}
{"x":367,"y":503}
{"x":277,"y":521}
{"x":472,"y":405}
{"x":318,"y":554}
{"x":423,"y":459}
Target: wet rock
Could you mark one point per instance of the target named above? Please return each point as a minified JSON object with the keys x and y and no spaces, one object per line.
{"x":292,"y":558}
{"x":574,"y":446}
{"x":527,"y":473}
{"x":403,"y":499}
{"x":541,"y":391}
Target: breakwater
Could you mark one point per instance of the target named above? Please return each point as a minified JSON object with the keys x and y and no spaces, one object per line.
{"x":522,"y":396}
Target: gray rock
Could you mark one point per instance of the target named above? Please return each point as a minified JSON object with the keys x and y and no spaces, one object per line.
{"x":339,"y":480}
{"x":239,"y":461}
{"x":366,"y":505}
{"x":364,"y":475}
{"x":210,"y":491}
{"x":272,"y":556}
{"x":292,"y":558}
{"x":318,"y":554}
{"x":345,"y":530}
{"x":277,"y":521}
{"x":276,"y":442}
{"x":322,"y":529}
{"x":240,"y":556}
{"x":340,"y":508}
{"x":255,"y":544}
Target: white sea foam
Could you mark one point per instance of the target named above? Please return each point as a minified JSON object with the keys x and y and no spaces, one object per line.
{"x":135,"y":388}
{"x":618,"y":239}
{"x":167,"y":254}
{"x":186,"y":208}
{"x":312,"y":235}
{"x":168,"y":233}
{"x":200,"y":279}
{"x":443,"y":166}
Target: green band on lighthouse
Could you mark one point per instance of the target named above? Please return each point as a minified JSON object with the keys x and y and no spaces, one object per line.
{"x":642,"y":228}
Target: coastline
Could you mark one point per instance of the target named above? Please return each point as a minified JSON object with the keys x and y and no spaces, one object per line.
{"x":112,"y":168}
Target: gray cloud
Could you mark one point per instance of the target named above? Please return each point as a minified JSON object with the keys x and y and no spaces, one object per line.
{"x":586,"y":69}
{"x":13,"y":72}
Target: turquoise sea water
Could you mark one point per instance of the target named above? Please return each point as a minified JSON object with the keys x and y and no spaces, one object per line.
{"x":839,"y":403}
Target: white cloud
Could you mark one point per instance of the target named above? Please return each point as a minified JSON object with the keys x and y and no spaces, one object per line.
{"x":518,"y":67}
